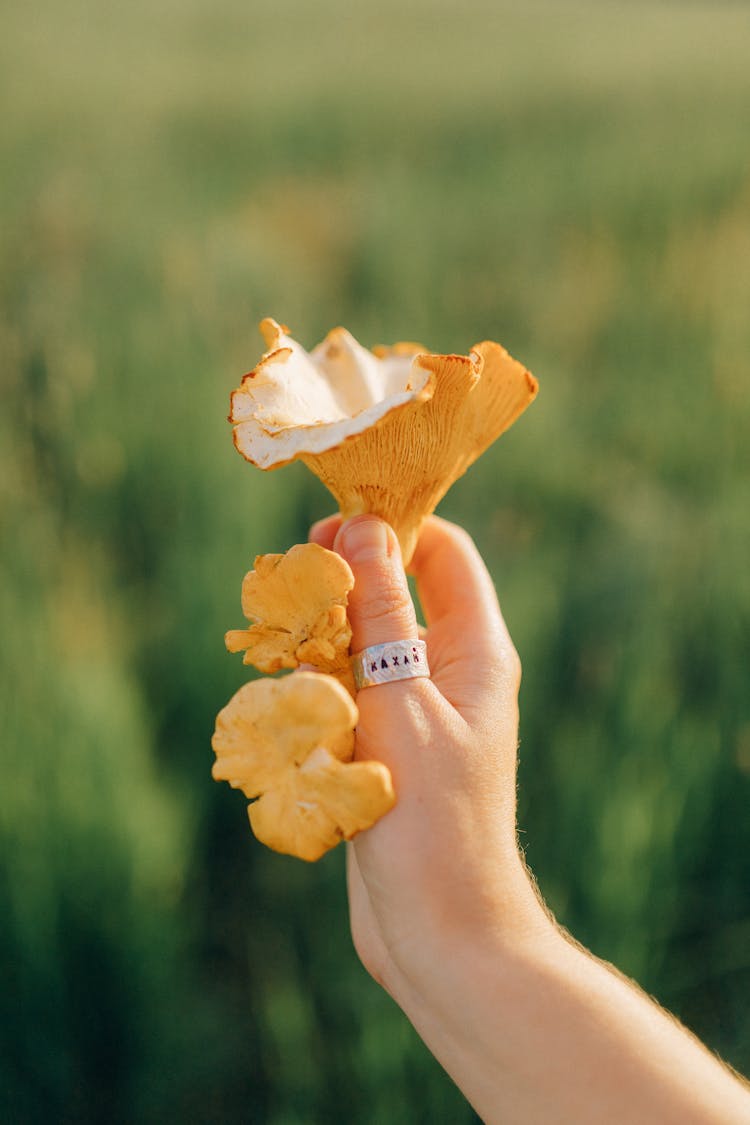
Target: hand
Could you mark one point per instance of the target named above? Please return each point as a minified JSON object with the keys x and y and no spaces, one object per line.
{"x":443,"y":912}
{"x":442,"y":870}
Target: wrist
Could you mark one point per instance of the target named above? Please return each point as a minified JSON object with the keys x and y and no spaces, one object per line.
{"x":470,"y":1004}
{"x":479,"y":939}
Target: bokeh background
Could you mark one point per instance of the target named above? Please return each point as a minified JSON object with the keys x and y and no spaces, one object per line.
{"x":571,"y":178}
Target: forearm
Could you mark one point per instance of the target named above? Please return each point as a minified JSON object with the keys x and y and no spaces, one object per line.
{"x":548,"y":1033}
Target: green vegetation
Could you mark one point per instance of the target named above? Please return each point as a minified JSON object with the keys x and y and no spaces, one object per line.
{"x":570,"y":178}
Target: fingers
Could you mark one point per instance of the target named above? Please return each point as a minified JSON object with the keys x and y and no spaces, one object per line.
{"x":380,"y":605}
{"x":453,"y":580}
{"x":456,"y":590}
{"x":324,"y":531}
{"x":469,"y":645}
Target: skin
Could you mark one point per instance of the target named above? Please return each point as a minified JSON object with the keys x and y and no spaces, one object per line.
{"x":445,"y":915}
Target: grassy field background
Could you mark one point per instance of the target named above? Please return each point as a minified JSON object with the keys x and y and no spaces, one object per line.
{"x":572,"y":179}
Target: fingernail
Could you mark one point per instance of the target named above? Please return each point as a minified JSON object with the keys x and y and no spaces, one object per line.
{"x":365,"y":539}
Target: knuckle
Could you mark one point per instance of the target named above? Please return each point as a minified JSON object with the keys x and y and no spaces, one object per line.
{"x":462,"y":539}
{"x":387,"y":601}
{"x":512,"y":664}
{"x":507,"y":663}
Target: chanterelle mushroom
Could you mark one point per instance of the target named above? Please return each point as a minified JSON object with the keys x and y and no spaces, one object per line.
{"x":289,"y":742}
{"x":298,"y":601}
{"x":386,"y":431}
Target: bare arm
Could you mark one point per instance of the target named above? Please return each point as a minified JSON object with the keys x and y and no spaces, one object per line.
{"x":530,"y":1026}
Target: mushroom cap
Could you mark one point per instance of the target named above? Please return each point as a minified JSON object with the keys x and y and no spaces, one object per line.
{"x":321,"y":803}
{"x":294,"y":401}
{"x":289,"y":742}
{"x":270,"y":727}
{"x":298,"y":601}
{"x":386,"y":432}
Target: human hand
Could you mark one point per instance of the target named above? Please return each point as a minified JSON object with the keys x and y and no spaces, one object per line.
{"x":443,"y":912}
{"x":441,"y":873}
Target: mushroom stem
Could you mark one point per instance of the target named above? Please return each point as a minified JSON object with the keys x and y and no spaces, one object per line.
{"x":389,"y":507}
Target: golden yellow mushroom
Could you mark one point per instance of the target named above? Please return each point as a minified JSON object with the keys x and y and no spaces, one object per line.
{"x":298,"y":603}
{"x":321,"y":803}
{"x":289,"y":742}
{"x":386,"y":431}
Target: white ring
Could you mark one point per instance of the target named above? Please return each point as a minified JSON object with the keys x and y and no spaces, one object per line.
{"x":397,"y":660}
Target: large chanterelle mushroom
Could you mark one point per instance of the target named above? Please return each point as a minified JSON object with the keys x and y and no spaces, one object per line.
{"x":386,"y":431}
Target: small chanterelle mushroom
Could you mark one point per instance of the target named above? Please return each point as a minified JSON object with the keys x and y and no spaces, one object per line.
{"x":289,"y":742}
{"x":298,"y":604}
{"x":387,"y":431}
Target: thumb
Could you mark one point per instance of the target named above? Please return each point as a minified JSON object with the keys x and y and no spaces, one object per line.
{"x":380,"y":606}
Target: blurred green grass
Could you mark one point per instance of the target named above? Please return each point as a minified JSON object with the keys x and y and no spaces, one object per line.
{"x":572,"y":179}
